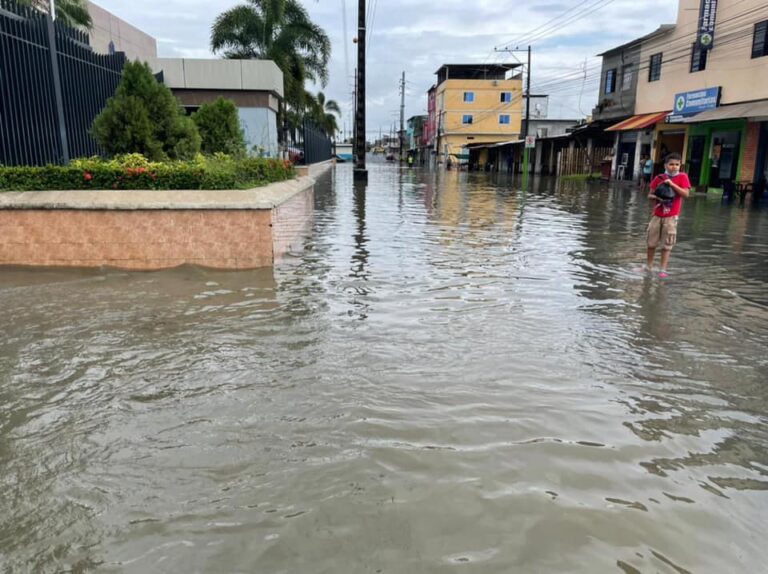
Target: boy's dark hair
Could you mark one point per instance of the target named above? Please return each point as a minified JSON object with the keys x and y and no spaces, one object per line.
{"x":671,"y":156}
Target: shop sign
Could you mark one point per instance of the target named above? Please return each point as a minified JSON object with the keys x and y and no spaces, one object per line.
{"x":688,"y":103}
{"x":707,"y":16}
{"x":530,"y":142}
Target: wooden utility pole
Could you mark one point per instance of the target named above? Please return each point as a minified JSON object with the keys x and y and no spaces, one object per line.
{"x":360,"y":172}
{"x":402,"y":116}
{"x":526,"y":131}
{"x":526,"y":153}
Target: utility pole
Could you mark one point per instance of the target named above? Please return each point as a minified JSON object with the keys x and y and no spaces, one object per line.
{"x":526,"y":153}
{"x":354,"y":123}
{"x":360,"y":172}
{"x":526,"y":131}
{"x":402,"y":117}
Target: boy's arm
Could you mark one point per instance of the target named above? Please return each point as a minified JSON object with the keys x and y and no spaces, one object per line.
{"x":652,"y":188}
{"x":681,"y":190}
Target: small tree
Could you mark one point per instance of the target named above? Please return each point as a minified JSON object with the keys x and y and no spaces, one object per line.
{"x":144,"y":117}
{"x":219,"y":127}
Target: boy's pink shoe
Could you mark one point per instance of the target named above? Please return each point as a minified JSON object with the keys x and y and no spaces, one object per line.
{"x":663,"y":275}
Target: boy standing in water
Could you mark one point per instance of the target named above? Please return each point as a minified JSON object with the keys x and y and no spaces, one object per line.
{"x":662,"y":229}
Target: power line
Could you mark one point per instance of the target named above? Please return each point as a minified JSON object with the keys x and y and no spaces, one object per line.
{"x":681,"y":49}
{"x":521,"y":40}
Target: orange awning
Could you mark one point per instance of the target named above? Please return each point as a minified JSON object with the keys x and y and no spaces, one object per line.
{"x":638,"y":122}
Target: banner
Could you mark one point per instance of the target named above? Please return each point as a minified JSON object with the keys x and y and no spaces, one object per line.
{"x":707,"y":15}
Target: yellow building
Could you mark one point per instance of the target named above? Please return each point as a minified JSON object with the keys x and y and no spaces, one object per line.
{"x":477,"y":103}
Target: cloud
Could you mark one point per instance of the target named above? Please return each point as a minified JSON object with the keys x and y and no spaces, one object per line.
{"x":418,"y":36}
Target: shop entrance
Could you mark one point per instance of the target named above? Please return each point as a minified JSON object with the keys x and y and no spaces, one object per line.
{"x":725,"y":157}
{"x":625,"y":165}
{"x":669,"y":142}
{"x":697,"y":146}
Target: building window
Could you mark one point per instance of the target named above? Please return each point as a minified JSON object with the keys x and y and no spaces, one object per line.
{"x":469,"y":97}
{"x":626,"y":77}
{"x":505,"y":97}
{"x":504,"y":119}
{"x":466,"y":119}
{"x":654,"y":69}
{"x":760,"y":40}
{"x":610,"y":81}
{"x":698,"y":58}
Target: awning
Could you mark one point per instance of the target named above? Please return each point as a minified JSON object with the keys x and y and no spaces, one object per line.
{"x":731,"y":112}
{"x":639,"y":122}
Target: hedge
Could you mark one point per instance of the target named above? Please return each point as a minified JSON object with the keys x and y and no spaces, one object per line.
{"x":133,"y":171}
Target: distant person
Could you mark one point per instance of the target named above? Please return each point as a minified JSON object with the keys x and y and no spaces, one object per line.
{"x":410,"y":160}
{"x":667,"y":191}
{"x":646,"y":163}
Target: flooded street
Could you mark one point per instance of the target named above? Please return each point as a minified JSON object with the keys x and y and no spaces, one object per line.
{"x":453,"y":375}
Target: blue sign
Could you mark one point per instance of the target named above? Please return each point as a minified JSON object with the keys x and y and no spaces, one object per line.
{"x":688,"y":103}
{"x":707,"y":16}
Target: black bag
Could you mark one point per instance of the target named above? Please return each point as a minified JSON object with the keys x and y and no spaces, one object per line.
{"x":665,"y":192}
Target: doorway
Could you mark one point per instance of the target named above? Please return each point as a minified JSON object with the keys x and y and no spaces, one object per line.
{"x":697,"y":145}
{"x":724,"y":154}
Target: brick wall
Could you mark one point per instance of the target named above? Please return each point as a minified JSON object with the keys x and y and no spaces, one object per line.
{"x":140,"y":239}
{"x":752,"y":142}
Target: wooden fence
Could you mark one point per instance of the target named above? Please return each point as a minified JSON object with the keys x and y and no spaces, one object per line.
{"x":580,"y":160}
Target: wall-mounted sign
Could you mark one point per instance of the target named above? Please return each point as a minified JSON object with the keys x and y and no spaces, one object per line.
{"x":687,"y":103}
{"x":707,"y":16}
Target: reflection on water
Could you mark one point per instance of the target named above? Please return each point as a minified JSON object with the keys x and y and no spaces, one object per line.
{"x":452,"y":372}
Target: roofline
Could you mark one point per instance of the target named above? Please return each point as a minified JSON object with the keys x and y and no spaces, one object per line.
{"x":507,"y":66}
{"x":663,"y":29}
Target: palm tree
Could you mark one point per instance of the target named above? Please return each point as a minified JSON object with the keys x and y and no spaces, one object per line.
{"x":277,"y":30}
{"x":71,"y":12}
{"x":322,"y":112}
{"x":328,"y":109}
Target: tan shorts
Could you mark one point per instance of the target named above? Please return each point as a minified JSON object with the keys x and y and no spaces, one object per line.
{"x":662,"y":232}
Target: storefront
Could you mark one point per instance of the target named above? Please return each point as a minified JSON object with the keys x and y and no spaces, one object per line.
{"x":633,"y":141}
{"x":729,"y":143}
{"x":715,"y":152}
{"x":668,"y":138}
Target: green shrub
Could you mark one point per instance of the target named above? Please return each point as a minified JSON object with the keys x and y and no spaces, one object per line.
{"x":144,"y":117}
{"x":219,"y":127}
{"x":134,"y":171}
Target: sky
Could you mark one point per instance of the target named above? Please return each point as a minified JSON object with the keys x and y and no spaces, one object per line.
{"x":418,"y":36}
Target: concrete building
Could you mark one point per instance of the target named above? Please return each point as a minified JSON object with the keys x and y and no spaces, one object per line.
{"x":715,"y":92}
{"x":110,"y":34}
{"x":255,"y":86}
{"x":476,"y":103}
{"x":430,"y":128}
{"x":620,"y":70}
{"x":552,"y":136}
{"x":414,"y":135}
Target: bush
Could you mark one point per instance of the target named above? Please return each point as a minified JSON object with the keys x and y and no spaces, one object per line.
{"x":219,"y":127}
{"x":144,"y":117}
{"x":134,"y":171}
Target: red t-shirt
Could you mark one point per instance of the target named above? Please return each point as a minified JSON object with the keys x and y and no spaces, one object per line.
{"x":670,"y":208}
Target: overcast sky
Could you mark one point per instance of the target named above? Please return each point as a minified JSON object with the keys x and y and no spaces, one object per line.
{"x":418,"y":36}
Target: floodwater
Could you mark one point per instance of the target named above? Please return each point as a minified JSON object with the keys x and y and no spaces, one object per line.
{"x":452,"y":375}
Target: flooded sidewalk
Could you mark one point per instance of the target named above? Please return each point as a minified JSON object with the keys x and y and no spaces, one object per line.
{"x":451,"y":374}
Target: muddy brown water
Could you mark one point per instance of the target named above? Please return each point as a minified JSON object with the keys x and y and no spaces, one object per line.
{"x":452,"y":375}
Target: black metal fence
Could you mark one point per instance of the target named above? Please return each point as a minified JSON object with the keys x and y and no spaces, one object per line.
{"x":317,"y":145}
{"x":39,"y":123}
